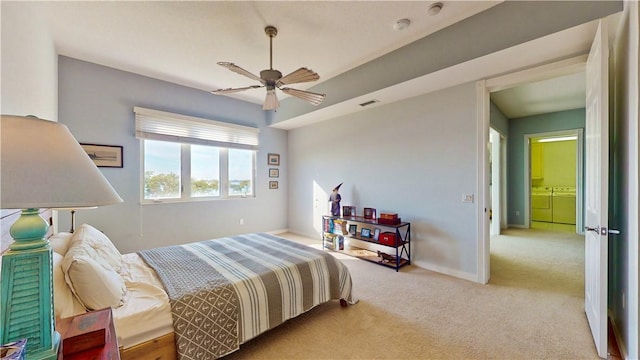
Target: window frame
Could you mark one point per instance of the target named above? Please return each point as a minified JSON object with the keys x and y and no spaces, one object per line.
{"x":155,"y":125}
{"x":185,"y":177}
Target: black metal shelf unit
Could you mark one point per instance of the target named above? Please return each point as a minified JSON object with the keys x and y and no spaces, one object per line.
{"x":402,"y":244}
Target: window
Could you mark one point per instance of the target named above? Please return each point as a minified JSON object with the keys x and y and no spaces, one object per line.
{"x":186,"y":158}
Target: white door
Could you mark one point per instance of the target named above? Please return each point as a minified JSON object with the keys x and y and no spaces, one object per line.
{"x":596,"y":188}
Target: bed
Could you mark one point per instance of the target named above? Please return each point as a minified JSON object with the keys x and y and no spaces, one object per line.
{"x":199,"y":300}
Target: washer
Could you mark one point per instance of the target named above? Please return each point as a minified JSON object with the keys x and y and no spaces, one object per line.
{"x":564,"y":205}
{"x":541,"y":209}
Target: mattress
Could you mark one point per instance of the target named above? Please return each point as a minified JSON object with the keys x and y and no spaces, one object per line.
{"x":146,"y":313}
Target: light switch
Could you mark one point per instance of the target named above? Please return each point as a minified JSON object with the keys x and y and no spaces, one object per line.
{"x":467,"y":198}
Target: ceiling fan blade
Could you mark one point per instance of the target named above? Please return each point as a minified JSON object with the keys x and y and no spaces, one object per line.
{"x":238,"y":70}
{"x":313,"y":98}
{"x":234,"y":90}
{"x":299,"y":76}
{"x":271,"y":101}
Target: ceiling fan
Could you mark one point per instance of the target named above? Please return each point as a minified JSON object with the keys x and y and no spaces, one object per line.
{"x":272,"y":79}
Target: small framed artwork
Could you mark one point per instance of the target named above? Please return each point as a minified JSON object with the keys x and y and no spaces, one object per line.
{"x":365,"y":233}
{"x":369,"y":213}
{"x":274,"y":173}
{"x":273,"y":184}
{"x":353,"y":229}
{"x":273,"y":159}
{"x":376,"y":234}
{"x":348,"y":211}
{"x":104,"y":155}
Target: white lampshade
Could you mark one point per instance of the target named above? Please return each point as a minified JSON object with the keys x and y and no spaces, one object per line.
{"x":43,"y":166}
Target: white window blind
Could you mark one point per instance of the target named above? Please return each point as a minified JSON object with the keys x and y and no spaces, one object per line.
{"x":164,"y":126}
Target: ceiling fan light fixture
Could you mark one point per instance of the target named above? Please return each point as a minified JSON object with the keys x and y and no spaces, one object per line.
{"x":271,"y":101}
{"x":272,"y":79}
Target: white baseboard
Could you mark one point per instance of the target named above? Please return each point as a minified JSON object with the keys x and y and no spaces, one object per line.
{"x":276,"y":232}
{"x":446,"y":271}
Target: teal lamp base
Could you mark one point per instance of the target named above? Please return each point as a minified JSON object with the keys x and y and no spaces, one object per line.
{"x":27,"y":289}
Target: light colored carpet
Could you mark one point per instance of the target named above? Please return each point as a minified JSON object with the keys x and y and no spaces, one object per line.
{"x":532,"y":309}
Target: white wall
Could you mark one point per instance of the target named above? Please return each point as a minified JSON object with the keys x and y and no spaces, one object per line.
{"x":415,"y":157}
{"x":29,"y":63}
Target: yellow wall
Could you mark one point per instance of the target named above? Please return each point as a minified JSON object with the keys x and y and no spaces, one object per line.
{"x":559,"y":163}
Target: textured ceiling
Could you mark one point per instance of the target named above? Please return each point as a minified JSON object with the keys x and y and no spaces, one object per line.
{"x":181,"y":42}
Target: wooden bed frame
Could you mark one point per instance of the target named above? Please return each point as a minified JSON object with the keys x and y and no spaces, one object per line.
{"x":160,"y":348}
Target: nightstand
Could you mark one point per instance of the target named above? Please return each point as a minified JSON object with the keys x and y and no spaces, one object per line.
{"x":79,"y":323}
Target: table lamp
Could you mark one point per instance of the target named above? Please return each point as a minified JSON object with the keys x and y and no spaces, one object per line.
{"x":41,"y":166}
{"x":72,"y":211}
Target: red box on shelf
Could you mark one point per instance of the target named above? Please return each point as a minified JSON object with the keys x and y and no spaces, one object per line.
{"x":387,"y":238}
{"x":384,"y":221}
{"x":388,"y":216}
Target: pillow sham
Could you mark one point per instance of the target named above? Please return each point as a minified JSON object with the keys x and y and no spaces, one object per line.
{"x":60,"y":242}
{"x":91,"y":279}
{"x":65,"y":303}
{"x":96,"y":239}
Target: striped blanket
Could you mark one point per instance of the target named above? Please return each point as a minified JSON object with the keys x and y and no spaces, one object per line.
{"x":226,"y":291}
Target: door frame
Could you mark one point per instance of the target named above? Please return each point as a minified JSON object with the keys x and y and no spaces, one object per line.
{"x":579,"y":174}
{"x":483,"y":90}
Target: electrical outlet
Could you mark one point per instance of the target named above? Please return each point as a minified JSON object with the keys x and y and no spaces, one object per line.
{"x":241,"y":221}
{"x":517,"y":213}
{"x":467,"y":198}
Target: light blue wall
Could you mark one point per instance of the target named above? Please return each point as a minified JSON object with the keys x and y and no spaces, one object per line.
{"x":414,"y":157}
{"x":96,"y":103}
{"x":518,"y":128}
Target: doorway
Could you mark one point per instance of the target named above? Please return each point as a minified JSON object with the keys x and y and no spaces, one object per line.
{"x":485,"y":88}
{"x":554,"y":180}
{"x":498,"y":181}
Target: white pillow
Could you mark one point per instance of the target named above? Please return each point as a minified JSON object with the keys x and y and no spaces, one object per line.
{"x":65,"y":303}
{"x":91,"y":279}
{"x":101,"y":243}
{"x":60,"y":242}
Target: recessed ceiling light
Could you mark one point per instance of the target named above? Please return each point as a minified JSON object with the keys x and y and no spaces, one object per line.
{"x":435,"y":8}
{"x":402,"y":24}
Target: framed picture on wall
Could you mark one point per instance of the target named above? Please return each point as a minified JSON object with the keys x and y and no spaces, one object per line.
{"x":273,"y":159}
{"x":273,"y":184}
{"x":274,"y":173}
{"x":104,"y":155}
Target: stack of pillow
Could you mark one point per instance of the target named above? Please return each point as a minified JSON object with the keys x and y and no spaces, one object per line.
{"x":87,"y":271}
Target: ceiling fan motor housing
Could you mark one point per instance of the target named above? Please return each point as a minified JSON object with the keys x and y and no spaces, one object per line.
{"x":270,"y":76}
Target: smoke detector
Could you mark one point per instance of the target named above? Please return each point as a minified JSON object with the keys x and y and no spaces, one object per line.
{"x":402,"y":24}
